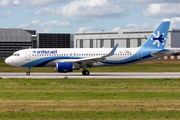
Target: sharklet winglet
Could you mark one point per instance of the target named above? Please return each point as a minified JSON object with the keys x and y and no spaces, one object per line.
{"x":113,"y":50}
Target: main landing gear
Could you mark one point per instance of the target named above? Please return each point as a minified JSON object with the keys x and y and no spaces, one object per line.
{"x":85,"y":72}
{"x":28,"y":72}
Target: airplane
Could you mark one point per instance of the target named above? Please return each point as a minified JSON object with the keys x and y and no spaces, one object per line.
{"x":69,"y":59}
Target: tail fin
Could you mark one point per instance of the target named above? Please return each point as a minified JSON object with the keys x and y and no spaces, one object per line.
{"x":157,"y":40}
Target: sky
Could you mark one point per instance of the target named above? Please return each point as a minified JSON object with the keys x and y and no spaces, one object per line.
{"x":70,"y":16}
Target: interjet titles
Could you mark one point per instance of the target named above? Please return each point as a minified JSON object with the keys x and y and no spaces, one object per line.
{"x":47,"y":52}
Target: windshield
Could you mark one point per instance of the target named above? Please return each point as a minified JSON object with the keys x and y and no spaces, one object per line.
{"x":15,"y":54}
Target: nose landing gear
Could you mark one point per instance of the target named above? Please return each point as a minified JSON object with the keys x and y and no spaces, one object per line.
{"x":28,"y":72}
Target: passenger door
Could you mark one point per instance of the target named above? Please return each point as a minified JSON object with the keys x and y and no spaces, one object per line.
{"x":27,"y":55}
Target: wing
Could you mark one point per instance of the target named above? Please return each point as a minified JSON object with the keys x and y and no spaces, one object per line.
{"x":91,"y":60}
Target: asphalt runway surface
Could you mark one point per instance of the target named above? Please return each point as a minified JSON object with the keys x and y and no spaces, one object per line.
{"x":93,"y":75}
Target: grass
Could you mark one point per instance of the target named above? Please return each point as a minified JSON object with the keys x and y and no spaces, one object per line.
{"x":92,"y":99}
{"x":119,"y":115}
{"x":150,"y":66}
{"x":89,"y":99}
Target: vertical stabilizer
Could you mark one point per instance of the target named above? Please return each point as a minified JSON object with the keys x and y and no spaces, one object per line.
{"x":158,"y":38}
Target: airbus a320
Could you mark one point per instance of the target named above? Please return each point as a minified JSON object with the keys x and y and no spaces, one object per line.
{"x":67,"y":60}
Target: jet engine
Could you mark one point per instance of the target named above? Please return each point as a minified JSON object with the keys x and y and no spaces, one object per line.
{"x":63,"y":67}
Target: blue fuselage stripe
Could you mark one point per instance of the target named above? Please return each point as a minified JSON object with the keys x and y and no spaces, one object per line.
{"x":43,"y":61}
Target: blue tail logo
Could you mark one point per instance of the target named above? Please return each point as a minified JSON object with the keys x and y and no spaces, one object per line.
{"x":158,"y":39}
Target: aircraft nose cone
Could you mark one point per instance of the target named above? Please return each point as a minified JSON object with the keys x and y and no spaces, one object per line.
{"x":7,"y":61}
{"x":11,"y":61}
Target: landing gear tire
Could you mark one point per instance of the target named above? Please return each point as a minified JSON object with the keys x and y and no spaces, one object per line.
{"x":85,"y":72}
{"x":28,"y":73}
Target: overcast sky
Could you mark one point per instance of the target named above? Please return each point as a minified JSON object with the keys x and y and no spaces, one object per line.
{"x":70,"y":16}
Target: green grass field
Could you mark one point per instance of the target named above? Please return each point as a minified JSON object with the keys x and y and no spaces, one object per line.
{"x":92,"y":99}
{"x":89,"y":99}
{"x":150,"y":66}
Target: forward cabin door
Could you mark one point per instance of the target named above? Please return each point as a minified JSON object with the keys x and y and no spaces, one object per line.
{"x":27,"y":55}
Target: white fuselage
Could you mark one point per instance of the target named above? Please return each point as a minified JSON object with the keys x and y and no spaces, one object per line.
{"x":49,"y":57}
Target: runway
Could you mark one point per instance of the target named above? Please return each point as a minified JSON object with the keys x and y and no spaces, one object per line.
{"x":93,"y":75}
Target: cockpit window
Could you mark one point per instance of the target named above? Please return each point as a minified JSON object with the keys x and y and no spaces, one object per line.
{"x":15,"y":54}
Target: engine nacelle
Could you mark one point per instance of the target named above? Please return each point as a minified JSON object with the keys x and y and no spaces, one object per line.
{"x":63,"y":67}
